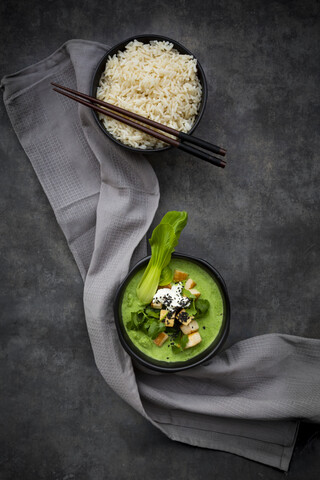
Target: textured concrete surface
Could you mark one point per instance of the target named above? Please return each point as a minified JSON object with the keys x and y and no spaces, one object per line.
{"x":257,"y":222}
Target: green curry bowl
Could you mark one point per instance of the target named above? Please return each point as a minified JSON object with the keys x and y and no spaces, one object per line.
{"x":173,"y":350}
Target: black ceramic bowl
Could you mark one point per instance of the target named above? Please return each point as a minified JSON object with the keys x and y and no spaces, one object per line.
{"x":146,"y":39}
{"x":161,"y":366}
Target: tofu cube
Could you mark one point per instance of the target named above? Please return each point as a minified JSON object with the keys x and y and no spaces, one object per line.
{"x":169,"y":319}
{"x":157,"y":306}
{"x":195,"y":292}
{"x":184,"y":317}
{"x":161,"y":338}
{"x":190,"y":284}
{"x":193,"y":339}
{"x":163,"y":314}
{"x":178,"y":276}
{"x":192,"y":327}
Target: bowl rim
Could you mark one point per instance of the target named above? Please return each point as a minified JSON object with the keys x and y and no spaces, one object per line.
{"x":118,"y":47}
{"x":203,"y":357}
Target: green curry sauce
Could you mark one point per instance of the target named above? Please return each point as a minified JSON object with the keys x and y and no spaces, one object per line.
{"x":209,"y":324}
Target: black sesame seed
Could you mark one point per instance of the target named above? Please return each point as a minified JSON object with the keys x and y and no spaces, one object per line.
{"x":204,"y":328}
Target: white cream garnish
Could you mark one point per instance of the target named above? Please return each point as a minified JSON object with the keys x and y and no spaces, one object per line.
{"x":171,"y":298}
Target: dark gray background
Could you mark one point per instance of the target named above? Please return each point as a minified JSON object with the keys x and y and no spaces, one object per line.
{"x":257,"y":222}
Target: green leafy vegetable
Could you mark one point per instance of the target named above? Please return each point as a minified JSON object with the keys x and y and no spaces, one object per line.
{"x":151,"y":312}
{"x":166,"y":276}
{"x":176,"y":349}
{"x":137,"y":319}
{"x":202,"y":307}
{"x":155,"y":329}
{"x":180,"y":343}
{"x":146,"y":325}
{"x":131,"y":325}
{"x":192,"y":310}
{"x":187,"y":293}
{"x":178,"y":220}
{"x":163,"y":241}
{"x":148,"y":321}
{"x":184,"y":341}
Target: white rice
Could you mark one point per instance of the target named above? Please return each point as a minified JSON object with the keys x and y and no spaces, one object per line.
{"x":155,"y":81}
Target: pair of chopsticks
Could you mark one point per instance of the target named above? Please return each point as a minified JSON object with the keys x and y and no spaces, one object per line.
{"x":182,"y":138}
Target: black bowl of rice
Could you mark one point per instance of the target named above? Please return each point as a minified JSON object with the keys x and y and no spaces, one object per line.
{"x":153,"y":76}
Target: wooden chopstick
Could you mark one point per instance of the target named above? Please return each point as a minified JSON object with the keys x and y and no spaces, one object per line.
{"x":171,"y":141}
{"x":183,"y":136}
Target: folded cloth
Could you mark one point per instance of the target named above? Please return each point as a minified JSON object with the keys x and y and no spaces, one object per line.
{"x":249,"y":399}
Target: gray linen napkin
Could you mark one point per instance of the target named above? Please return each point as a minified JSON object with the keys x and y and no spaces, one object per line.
{"x":249,"y":399}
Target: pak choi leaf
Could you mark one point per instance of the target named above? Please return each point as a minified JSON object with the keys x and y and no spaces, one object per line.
{"x":163,"y":241}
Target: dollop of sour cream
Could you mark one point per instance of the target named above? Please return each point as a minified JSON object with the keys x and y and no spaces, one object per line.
{"x":171,"y":298}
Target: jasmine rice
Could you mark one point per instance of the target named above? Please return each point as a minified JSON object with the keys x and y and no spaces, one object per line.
{"x":155,"y":81}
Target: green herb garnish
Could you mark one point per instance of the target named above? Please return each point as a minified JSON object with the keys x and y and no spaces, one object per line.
{"x":187,"y":293}
{"x":192,"y":310}
{"x":180,"y":343}
{"x":151,"y":312}
{"x":137,"y":319}
{"x":156,"y":328}
{"x":202,"y":307}
{"x":147,"y":320}
{"x":183,"y":341}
